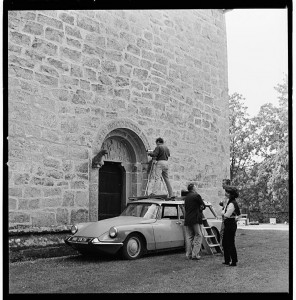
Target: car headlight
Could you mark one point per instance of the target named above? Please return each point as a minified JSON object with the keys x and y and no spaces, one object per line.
{"x":113,"y":232}
{"x":74,"y":229}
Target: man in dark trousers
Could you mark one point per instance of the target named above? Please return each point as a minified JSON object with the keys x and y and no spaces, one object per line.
{"x":194,"y":206}
{"x":161,"y":154}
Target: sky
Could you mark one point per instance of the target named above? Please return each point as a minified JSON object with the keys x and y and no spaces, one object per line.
{"x":257,"y":49}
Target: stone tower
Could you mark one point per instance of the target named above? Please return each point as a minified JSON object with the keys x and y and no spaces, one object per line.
{"x":82,"y":81}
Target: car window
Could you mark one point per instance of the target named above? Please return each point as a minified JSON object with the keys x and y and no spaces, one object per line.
{"x":144,"y":210}
{"x":181,"y":211}
{"x":170,"y":211}
{"x":150,"y":212}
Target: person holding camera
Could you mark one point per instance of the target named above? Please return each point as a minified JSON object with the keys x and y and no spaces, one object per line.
{"x":194,"y":206}
{"x":230,"y":214}
{"x":161,"y":154}
{"x":223,"y":203}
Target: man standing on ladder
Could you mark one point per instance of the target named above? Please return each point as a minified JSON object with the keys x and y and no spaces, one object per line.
{"x":161,"y":155}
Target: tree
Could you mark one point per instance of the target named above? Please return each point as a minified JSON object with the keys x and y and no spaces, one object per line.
{"x":259,"y":163}
{"x":274,"y":170}
{"x":241,"y":151}
{"x":241,"y":145}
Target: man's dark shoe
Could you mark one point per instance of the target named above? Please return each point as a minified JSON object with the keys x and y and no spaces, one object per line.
{"x":232,"y":264}
{"x":225,"y":263}
{"x":197,"y":257}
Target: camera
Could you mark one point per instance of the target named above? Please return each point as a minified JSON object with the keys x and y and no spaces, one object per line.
{"x":149,"y":151}
{"x":221,"y":203}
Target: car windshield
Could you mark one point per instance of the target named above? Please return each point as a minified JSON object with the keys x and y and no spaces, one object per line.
{"x":144,"y":210}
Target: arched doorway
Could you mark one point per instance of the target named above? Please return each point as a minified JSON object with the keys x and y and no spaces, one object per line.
{"x":126,"y":160}
{"x":111,"y":178}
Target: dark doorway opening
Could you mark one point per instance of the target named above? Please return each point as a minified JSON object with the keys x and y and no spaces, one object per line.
{"x":110,"y":190}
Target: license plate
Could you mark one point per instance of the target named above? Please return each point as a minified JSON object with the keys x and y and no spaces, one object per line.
{"x":79,"y":239}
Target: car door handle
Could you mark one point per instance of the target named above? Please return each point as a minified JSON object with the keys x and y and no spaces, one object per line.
{"x":179,"y":223}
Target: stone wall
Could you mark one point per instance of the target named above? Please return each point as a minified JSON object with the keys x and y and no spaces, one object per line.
{"x":71,"y":73}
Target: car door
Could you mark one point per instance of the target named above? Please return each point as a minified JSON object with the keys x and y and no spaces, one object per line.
{"x":168,"y":230}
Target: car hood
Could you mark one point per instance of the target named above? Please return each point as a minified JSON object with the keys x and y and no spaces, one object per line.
{"x":95,"y":229}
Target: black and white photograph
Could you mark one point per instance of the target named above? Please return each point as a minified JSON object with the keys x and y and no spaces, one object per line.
{"x":147,"y":150}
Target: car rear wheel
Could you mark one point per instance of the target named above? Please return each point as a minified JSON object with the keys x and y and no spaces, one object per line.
{"x":133,"y":247}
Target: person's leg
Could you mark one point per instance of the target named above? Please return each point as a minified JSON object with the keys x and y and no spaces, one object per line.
{"x":225,"y":245}
{"x":165,"y":175}
{"x":232,"y":249}
{"x":157,"y":174}
{"x":221,"y":232}
{"x":189,"y":235}
{"x":197,"y":240}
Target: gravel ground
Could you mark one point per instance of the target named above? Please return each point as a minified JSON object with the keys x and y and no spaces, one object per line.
{"x":263,"y":268}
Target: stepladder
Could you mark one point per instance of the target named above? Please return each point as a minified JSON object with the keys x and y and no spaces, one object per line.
{"x":210,"y":243}
{"x":151,"y":178}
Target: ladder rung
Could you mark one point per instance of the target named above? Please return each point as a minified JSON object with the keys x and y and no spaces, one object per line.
{"x":209,"y":236}
{"x":214,"y":245}
{"x":205,"y":227}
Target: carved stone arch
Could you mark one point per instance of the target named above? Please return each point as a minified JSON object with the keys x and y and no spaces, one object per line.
{"x":118,"y":124}
{"x":126,"y":144}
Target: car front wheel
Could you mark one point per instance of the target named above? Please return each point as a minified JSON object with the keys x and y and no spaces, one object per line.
{"x":133,"y":247}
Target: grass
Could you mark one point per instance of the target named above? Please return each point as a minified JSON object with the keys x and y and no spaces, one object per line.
{"x":263,"y":267}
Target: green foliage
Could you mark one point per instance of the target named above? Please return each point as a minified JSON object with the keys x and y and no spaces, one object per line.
{"x":241,"y":145}
{"x":259,"y":161}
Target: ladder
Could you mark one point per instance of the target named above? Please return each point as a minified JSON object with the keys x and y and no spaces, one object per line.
{"x":209,"y":240}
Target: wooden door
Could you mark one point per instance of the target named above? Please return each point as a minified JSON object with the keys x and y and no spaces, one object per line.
{"x":110,"y":190}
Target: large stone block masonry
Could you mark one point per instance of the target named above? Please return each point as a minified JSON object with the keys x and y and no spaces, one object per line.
{"x":76,"y":76}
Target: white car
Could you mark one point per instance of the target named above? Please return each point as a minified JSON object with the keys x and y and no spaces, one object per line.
{"x":147,"y":224}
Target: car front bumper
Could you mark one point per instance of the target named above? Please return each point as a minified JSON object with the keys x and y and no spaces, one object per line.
{"x":86,"y":245}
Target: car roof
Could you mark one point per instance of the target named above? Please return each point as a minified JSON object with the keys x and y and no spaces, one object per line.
{"x":160,"y":200}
